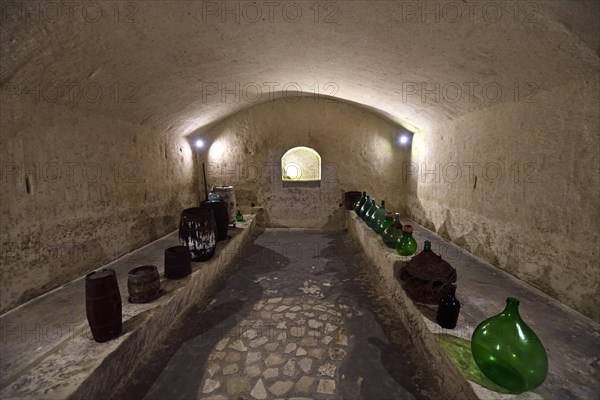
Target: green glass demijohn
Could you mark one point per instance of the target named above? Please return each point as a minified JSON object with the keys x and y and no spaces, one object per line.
{"x":387,"y":220}
{"x":509,"y":352}
{"x":407,"y":245}
{"x":365,"y":207}
{"x":377,"y":216}
{"x":392,"y":233}
{"x":359,"y":203}
{"x":370,"y":211}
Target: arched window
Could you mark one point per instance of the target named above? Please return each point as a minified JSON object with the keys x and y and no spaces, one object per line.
{"x":301,"y":164}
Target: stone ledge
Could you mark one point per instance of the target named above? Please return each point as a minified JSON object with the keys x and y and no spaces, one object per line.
{"x":76,"y":366}
{"x":482,"y":291}
{"x":386,"y":262}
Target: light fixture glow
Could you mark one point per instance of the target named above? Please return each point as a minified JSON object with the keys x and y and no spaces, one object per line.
{"x":404,"y":138}
{"x":217,"y":150}
{"x":199,"y":143}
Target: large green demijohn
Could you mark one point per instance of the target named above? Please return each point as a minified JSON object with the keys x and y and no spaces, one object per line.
{"x":387,"y":220}
{"x":509,"y":352}
{"x":391,"y":235}
{"x":407,"y":245}
{"x":377,"y":216}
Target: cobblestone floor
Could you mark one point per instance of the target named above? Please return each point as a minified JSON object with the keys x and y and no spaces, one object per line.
{"x":296,"y":319}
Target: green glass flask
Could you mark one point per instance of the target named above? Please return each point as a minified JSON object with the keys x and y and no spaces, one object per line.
{"x":365,"y":207}
{"x":239,"y":216}
{"x":392,"y":233}
{"x":359,"y":203}
{"x":387,"y":220}
{"x":509,"y":352}
{"x":407,"y":245}
{"x":370,"y":211}
{"x":378,"y":216}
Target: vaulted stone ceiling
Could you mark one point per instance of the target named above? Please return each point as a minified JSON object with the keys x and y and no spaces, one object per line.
{"x":166,"y":64}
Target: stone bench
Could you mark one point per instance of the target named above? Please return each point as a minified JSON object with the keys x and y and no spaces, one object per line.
{"x":47,"y":349}
{"x":571,"y":340}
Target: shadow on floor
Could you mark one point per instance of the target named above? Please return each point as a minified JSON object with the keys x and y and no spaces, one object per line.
{"x":191,"y":341}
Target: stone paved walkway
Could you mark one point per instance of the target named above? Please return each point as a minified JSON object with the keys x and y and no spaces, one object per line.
{"x":287,"y":345}
{"x":296,"y":319}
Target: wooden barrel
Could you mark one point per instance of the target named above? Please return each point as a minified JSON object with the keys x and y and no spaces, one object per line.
{"x":197,"y":231}
{"x":178,"y":262}
{"x":143,"y":284}
{"x":227,"y":194}
{"x":221,"y":214}
{"x":103,"y":305}
{"x":350,"y":198}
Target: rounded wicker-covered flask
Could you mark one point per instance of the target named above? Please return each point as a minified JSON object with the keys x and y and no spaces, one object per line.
{"x":426,"y":278}
{"x":508,"y":351}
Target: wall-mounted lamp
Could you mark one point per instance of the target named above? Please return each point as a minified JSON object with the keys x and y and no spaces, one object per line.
{"x":404,"y":139}
{"x":199,"y":143}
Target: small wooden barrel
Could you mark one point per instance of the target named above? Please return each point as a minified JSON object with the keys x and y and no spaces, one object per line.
{"x":350,"y":198}
{"x":103,"y":305}
{"x":178,"y":262}
{"x":143,"y":284}
{"x":197,"y":231}
{"x":227,"y":194}
{"x":221,"y":214}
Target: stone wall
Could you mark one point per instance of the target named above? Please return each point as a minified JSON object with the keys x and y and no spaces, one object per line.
{"x":79,"y":190}
{"x":356,"y":147}
{"x":517,"y":185}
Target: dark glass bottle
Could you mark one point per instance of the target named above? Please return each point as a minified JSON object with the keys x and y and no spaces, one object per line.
{"x":377,"y":216}
{"x":508,"y":351}
{"x":392,"y":233}
{"x":407,"y":245}
{"x":370,"y":211}
{"x":359,"y":203}
{"x":449,"y":307}
{"x":365,"y":207}
{"x":387,"y":221}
